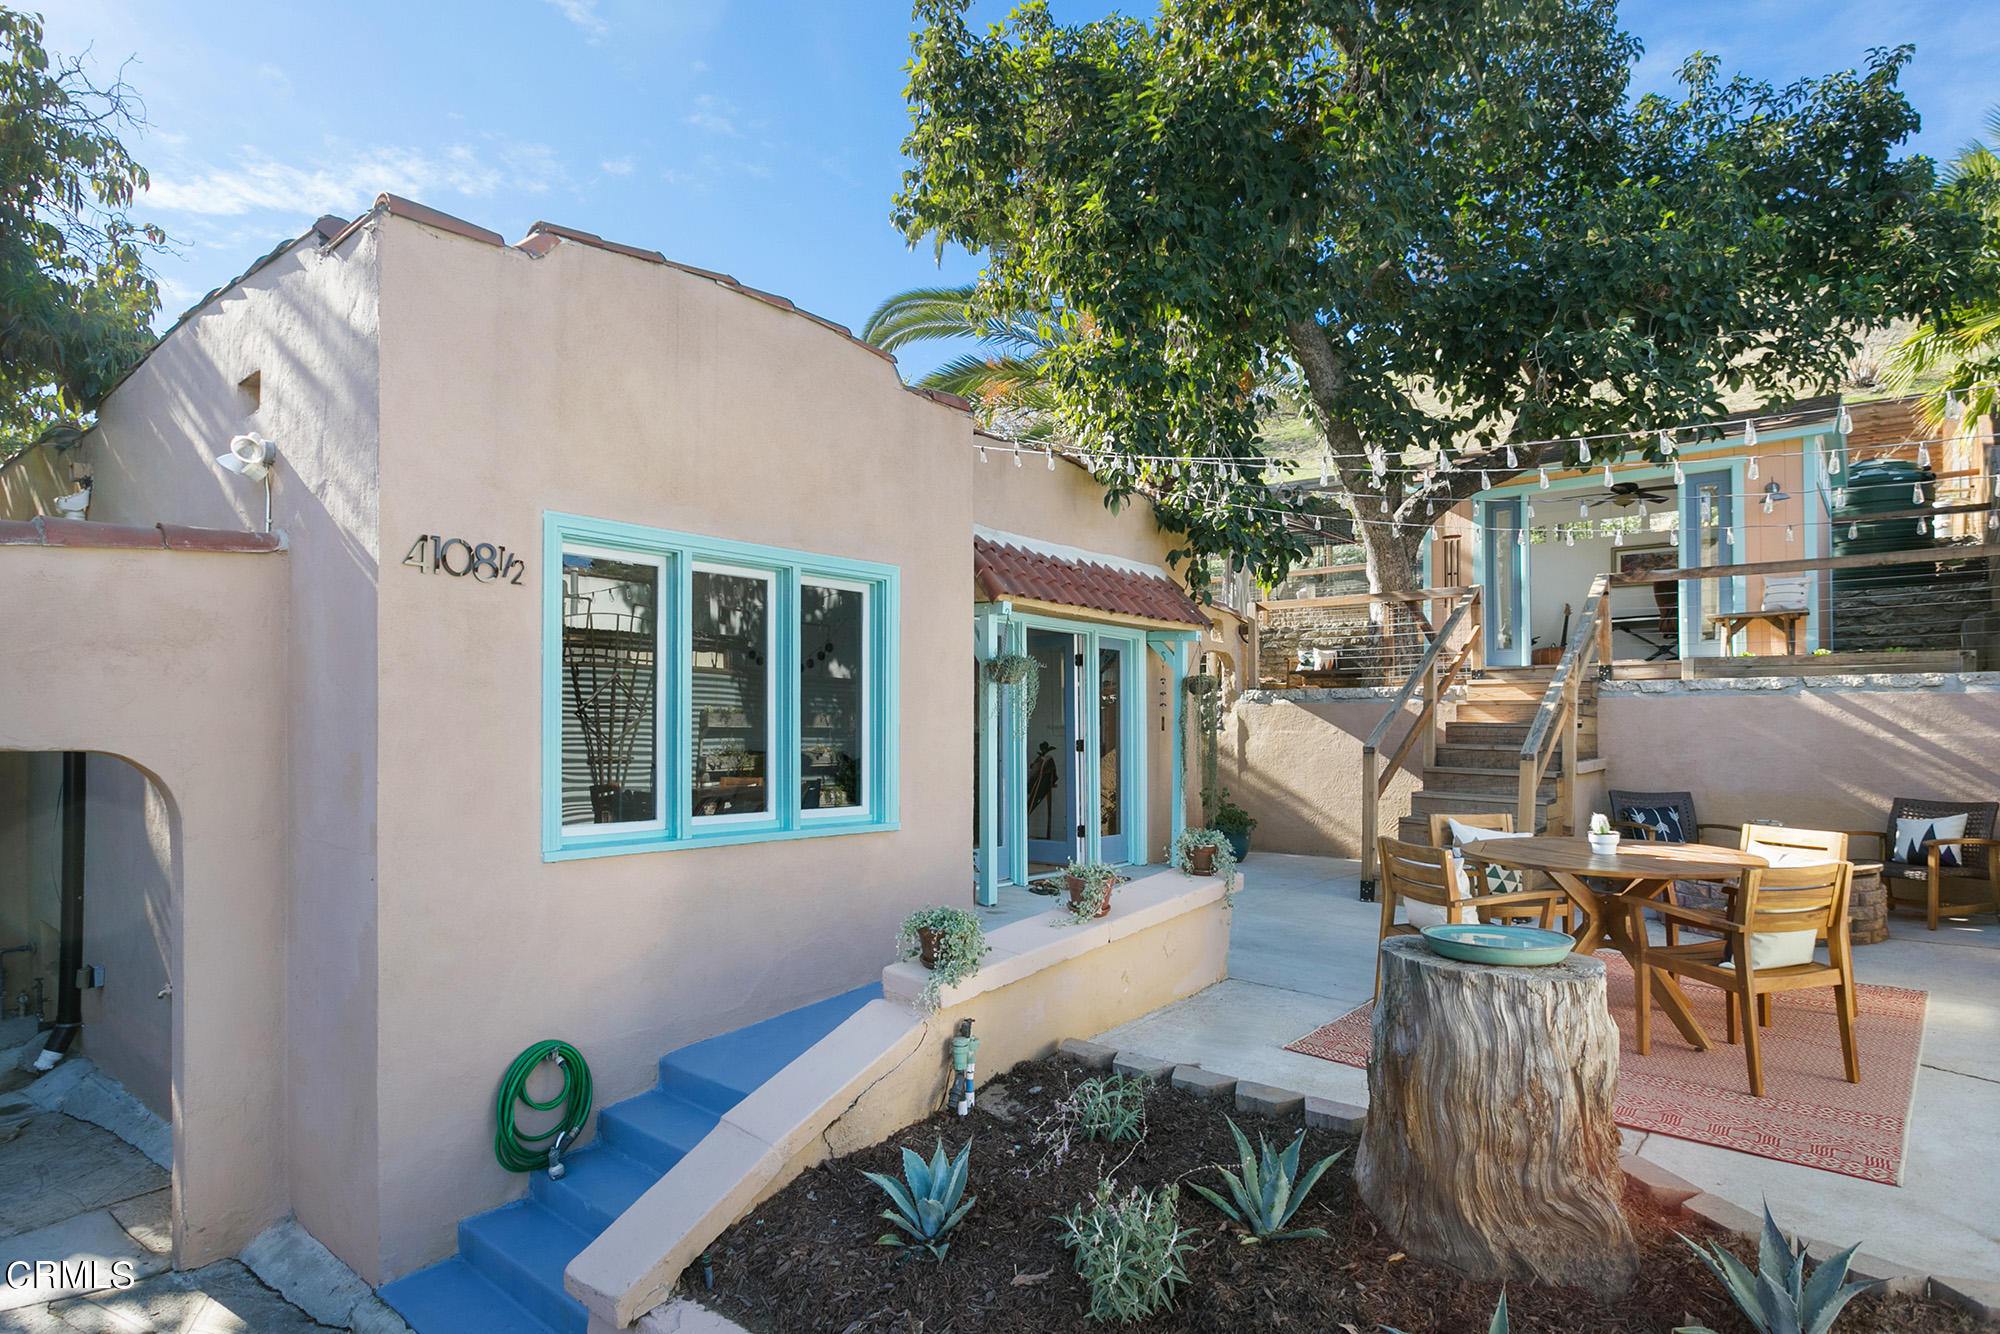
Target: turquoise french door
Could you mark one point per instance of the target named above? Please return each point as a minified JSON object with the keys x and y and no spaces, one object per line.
{"x":1110,"y":747}
{"x":1504,"y":575}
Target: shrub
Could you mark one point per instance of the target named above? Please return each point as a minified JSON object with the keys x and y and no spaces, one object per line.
{"x":1112,"y":1108}
{"x":1270,"y":1190}
{"x":1778,"y":1298}
{"x":1129,"y":1250}
{"x":926,"y":1200}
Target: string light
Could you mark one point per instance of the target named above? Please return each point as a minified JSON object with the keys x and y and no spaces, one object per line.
{"x":1727,"y":539}
{"x":1583,"y":509}
{"x":1679,"y":477}
{"x":1485,"y":480}
{"x":1325,"y":466}
{"x":1753,"y":467}
{"x":1993,"y":522}
{"x":1520,"y":537}
{"x":1923,"y":456}
{"x":1923,"y":526}
{"x":1531,"y":509}
{"x":1569,"y":536}
{"x":982,"y":453}
{"x":1017,"y":456}
{"x":1052,"y":460}
{"x":1607,"y":474}
{"x":1674,"y":537}
{"x":1853,"y":531}
{"x":1618,"y":538}
{"x":1844,"y":423}
{"x":1666,"y":444}
{"x":1582,"y":450}
{"x":1513,"y":461}
{"x":1917,"y":494}
{"x":1840,"y":497}
{"x":1749,"y":432}
{"x":1545,"y":479}
{"x":1953,"y":409}
{"x":1788,"y":532}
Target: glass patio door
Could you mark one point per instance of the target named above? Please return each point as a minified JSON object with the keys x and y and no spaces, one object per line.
{"x":1055,"y":749}
{"x":1111,"y":753}
{"x":1708,"y":537}
{"x":1504,"y":574}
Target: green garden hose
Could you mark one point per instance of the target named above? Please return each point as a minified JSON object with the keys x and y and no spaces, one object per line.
{"x":525,"y":1153}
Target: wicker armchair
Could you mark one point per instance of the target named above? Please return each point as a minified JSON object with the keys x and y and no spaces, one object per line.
{"x":1971,"y":887}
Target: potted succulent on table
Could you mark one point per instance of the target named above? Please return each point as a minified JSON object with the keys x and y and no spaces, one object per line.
{"x":1206,"y":852}
{"x":1235,"y":824}
{"x":1089,"y":885}
{"x":1603,"y":838}
{"x":948,"y":941}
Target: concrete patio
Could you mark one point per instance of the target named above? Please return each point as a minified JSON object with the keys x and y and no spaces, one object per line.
{"x":1302,"y":953}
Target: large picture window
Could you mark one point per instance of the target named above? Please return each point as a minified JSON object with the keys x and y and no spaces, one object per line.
{"x":701,"y":691}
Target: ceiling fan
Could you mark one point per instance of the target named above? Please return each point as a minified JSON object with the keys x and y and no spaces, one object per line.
{"x":1623,"y":494}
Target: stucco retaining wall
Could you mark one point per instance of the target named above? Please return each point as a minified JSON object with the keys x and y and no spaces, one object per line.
{"x":1292,"y":758}
{"x":1823,"y":752}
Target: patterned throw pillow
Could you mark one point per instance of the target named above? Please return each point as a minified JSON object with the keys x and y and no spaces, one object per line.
{"x":1662,"y":823}
{"x":1499,"y":879}
{"x":1912,"y":834}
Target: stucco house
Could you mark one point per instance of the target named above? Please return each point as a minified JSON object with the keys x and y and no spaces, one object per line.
{"x":608,"y":672}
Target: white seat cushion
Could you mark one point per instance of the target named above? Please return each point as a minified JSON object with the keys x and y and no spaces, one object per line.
{"x":1499,"y":879}
{"x":1781,"y":949}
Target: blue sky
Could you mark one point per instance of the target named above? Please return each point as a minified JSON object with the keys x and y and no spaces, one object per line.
{"x":759,"y":137}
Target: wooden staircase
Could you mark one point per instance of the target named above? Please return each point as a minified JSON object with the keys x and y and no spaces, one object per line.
{"x":1478,"y":764}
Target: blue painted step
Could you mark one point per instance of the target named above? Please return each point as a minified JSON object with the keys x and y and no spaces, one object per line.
{"x":507,"y":1276}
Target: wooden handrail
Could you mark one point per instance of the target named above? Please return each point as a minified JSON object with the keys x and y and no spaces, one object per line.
{"x":1374,"y":777}
{"x":1867,"y":560}
{"x":1559,"y":703}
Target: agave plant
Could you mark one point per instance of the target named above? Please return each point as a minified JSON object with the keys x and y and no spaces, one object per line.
{"x":1270,"y":1190}
{"x":926,"y":1199}
{"x":1778,"y":1298}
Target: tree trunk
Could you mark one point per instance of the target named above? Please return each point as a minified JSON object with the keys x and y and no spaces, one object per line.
{"x":1395,"y":565}
{"x":1489,"y":1144}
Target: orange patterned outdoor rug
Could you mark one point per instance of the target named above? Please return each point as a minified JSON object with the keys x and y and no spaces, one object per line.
{"x":1810,"y":1114}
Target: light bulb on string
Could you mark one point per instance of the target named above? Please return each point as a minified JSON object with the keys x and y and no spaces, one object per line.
{"x":1583,"y":509}
{"x":1513,"y":460}
{"x":1788,"y":532}
{"x":1923,"y":526}
{"x":1666,"y":443}
{"x":1052,"y":460}
{"x":1017,"y":456}
{"x":1840,"y":497}
{"x":1431,"y":508}
{"x":1923,"y":456}
{"x":1767,"y":502}
{"x":1753,"y":468}
{"x":1385,"y":504}
{"x":1485,"y":480}
{"x":1531,"y":509}
{"x":982,"y":453}
{"x":1953,"y":409}
{"x":1727,"y":539}
{"x":1993,"y":522}
{"x":1582,"y":450}
{"x":1674,"y":537}
{"x":1569,"y":536}
{"x":1520,"y":537}
{"x":1618,"y":538}
{"x":1607,"y":474}
{"x":1749,"y":435}
{"x":1679,"y":477}
{"x":1325,"y":463}
{"x":1545,"y":479}
{"x":1917,"y":494}
{"x":1833,"y":464}
{"x":1844,"y":423}
{"x":1853,"y":531}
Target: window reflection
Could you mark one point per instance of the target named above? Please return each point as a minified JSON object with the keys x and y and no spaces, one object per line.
{"x":731,"y":692}
{"x":610,"y":663}
{"x":833,"y":696}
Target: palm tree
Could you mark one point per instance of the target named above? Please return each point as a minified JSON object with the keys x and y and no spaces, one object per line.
{"x":1005,"y":381}
{"x":1959,"y":352}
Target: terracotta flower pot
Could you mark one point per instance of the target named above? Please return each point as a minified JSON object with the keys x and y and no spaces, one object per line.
{"x":1201,"y":860}
{"x":1079,"y":889}
{"x":927,"y":946}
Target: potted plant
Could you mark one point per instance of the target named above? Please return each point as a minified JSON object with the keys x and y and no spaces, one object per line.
{"x":1206,"y":852}
{"x":1089,"y":885}
{"x":948,"y":941}
{"x":1235,"y":824}
{"x":1603,"y":838}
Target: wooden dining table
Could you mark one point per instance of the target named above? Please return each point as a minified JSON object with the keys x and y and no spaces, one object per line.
{"x":1636,"y":872}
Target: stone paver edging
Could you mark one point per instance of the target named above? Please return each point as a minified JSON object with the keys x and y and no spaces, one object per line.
{"x":1977,"y":1296}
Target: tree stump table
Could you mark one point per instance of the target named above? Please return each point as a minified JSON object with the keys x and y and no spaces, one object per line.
{"x":1489,"y":1144}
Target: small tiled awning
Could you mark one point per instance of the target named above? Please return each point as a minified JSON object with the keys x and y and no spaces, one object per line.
{"x":1033,"y":572}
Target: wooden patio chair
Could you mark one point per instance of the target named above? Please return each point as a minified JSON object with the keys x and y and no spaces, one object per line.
{"x":1499,"y":822}
{"x":1783,"y":901}
{"x":1945,"y":887}
{"x":1783,"y":845}
{"x":1420,"y":880}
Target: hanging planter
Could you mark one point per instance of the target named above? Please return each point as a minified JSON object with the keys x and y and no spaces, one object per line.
{"x":1199,"y":741}
{"x":1020,"y":674}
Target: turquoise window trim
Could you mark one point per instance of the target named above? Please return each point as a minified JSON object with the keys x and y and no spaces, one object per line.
{"x":682,"y":551}
{"x":1175,"y":649}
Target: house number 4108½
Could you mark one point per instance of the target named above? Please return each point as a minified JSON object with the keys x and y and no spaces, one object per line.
{"x":457,"y":557}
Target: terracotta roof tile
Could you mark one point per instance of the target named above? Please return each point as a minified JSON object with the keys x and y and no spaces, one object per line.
{"x":1008,"y":571}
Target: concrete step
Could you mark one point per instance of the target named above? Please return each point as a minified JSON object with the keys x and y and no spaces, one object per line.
{"x":655,"y":1128}
{"x":455,"y":1298}
{"x":524,"y":1248}
{"x":718,"y":1073}
{"x":598,"y":1184}
{"x":1496,"y":782}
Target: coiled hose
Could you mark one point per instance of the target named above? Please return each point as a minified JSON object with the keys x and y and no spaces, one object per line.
{"x":519,"y":1152}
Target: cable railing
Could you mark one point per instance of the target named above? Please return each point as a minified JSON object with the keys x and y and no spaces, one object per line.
{"x":1433,"y":677}
{"x":1350,"y":639}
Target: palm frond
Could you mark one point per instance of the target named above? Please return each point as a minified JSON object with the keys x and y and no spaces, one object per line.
{"x":926,"y":314}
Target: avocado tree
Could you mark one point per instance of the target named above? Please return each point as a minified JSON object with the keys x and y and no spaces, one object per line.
{"x":76,"y":300}
{"x":1446,"y":222}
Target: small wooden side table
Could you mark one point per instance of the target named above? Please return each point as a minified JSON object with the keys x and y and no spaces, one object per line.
{"x":1729,"y":622}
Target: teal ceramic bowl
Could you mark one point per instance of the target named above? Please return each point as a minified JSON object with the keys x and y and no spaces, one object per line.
{"x":1513,"y":946}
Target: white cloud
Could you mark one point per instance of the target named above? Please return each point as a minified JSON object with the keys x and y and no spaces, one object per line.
{"x":617,"y":166}
{"x":713,"y":114}
{"x":352,"y":177}
{"x":583,"y":13}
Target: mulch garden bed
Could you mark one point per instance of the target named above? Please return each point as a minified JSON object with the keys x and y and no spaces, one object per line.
{"x":807,"y":1260}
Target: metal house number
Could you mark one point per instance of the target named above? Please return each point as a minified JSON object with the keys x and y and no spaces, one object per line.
{"x":435,"y":553}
